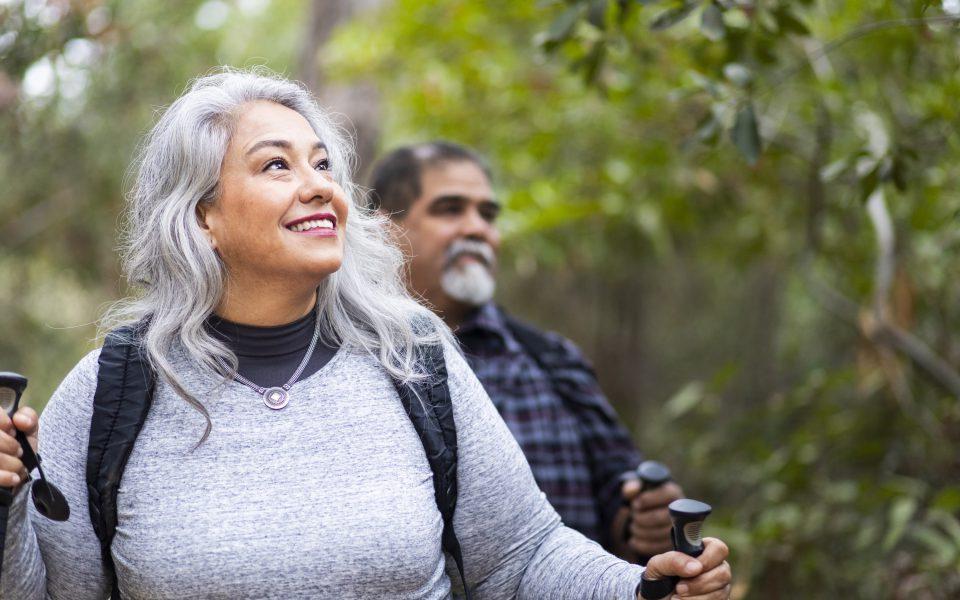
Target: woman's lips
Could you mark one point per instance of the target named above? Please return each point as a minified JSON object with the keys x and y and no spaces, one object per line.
{"x":317,"y":225}
{"x":318,"y":232}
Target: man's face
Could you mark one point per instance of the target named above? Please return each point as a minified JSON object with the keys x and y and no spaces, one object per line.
{"x":451,"y":237}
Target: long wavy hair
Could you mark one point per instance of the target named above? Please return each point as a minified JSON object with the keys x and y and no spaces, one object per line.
{"x":180,"y":280}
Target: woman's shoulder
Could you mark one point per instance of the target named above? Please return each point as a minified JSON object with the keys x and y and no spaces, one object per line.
{"x":84,"y":373}
{"x":73,"y":399}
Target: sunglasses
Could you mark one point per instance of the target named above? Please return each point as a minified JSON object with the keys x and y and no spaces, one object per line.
{"x":49,"y":501}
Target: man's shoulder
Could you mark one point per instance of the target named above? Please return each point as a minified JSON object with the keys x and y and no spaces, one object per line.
{"x":543,"y":344}
{"x":544,"y":338}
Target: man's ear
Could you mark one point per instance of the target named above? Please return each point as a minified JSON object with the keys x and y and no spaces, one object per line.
{"x":201,"y":213}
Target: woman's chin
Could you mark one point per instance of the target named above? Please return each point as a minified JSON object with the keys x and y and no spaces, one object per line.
{"x":319,"y":270}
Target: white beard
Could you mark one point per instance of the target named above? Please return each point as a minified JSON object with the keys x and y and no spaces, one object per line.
{"x":471,"y":283}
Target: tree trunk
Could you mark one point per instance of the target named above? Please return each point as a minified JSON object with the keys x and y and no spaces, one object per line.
{"x":357,"y":104}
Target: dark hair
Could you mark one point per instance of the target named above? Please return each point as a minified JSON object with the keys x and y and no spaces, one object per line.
{"x":395,"y":178}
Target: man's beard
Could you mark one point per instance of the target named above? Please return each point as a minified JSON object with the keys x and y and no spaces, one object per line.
{"x":472,"y":282}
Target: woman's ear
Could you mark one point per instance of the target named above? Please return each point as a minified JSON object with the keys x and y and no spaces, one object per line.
{"x":202,"y":208}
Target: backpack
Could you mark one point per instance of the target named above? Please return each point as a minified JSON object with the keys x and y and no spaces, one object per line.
{"x":125,"y":388}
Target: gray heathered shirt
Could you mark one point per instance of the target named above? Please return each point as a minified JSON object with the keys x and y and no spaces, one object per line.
{"x":331,"y":497}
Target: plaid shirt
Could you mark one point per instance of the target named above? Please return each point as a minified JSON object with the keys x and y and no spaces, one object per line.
{"x":576,"y":447}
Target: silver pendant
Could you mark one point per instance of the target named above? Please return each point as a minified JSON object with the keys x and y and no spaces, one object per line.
{"x":275,"y":397}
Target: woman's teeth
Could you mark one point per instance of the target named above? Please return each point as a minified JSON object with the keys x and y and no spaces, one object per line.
{"x":319,"y":224}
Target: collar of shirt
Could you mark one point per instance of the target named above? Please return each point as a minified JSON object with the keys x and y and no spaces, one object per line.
{"x":486,"y":329}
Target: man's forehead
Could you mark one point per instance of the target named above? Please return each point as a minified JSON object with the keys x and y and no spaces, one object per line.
{"x":460,"y":178}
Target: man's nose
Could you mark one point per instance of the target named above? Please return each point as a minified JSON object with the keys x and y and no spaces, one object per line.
{"x":476,"y":226}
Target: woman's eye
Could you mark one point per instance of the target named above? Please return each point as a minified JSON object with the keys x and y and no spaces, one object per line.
{"x":275,"y":164}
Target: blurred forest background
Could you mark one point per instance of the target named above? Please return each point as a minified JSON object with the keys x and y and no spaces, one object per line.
{"x":745,"y":211}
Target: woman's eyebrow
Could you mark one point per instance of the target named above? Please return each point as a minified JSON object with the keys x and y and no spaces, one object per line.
{"x":280,"y":144}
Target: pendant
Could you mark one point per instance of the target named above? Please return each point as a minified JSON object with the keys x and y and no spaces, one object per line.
{"x":276,"y":397}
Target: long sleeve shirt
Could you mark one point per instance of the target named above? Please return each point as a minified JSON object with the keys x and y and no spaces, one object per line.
{"x":575,"y":444}
{"x":330,"y":497}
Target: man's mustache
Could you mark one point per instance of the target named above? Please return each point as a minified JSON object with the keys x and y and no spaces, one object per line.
{"x":481,"y":250}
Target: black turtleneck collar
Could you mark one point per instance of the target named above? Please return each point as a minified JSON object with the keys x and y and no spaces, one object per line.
{"x":268,"y":356}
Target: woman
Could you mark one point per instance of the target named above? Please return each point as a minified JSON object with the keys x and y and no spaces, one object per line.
{"x":257,"y":270}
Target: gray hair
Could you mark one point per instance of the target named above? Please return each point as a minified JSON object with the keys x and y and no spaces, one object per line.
{"x":181,"y":280}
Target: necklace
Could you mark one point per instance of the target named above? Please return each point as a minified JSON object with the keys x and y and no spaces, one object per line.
{"x":278,"y":397}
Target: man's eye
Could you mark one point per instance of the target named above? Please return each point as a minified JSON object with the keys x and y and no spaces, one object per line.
{"x":275,"y":164}
{"x":323,"y":165}
{"x":490,"y":213}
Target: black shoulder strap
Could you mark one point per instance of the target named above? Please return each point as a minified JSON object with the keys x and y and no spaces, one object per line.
{"x":430,"y":408}
{"x":124,"y":393}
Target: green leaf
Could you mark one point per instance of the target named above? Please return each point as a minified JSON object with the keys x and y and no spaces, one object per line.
{"x":940,"y":545}
{"x":593,"y":61}
{"x":948,"y":523}
{"x":708,"y":130}
{"x":745,"y":135}
{"x":834,"y":170}
{"x":790,"y":23}
{"x":901,"y":512}
{"x":672,"y":16}
{"x":711,"y":23}
{"x":597,"y":14}
{"x":948,"y":499}
{"x":562,"y":26}
{"x":685,"y":400}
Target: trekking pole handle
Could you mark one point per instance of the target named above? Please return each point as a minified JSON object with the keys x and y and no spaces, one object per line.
{"x":687,"y":516}
{"x":11,"y":388}
{"x":652,"y":474}
{"x":49,"y":501}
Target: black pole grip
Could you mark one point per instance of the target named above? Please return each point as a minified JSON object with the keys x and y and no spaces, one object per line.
{"x":652,"y":474}
{"x":687,"y":516}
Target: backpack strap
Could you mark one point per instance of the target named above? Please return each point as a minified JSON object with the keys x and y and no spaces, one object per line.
{"x":430,"y":408}
{"x":125,"y":386}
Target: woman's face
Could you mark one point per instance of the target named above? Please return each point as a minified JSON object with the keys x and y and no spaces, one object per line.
{"x":279,"y":215}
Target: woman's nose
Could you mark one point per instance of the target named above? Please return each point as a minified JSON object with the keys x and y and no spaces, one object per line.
{"x":317,"y":185}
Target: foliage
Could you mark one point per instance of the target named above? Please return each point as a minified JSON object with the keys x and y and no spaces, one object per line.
{"x":733,"y":205}
{"x":726,"y":171}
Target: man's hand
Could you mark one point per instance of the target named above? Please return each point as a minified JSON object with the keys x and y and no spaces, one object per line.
{"x":649,"y":517}
{"x":704,"y":578}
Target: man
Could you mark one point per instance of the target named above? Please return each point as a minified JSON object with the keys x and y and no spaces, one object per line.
{"x":439,"y":196}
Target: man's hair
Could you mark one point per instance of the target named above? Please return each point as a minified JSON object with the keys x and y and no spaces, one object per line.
{"x":395,"y":180}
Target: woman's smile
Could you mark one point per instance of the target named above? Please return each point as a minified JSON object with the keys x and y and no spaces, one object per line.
{"x":315,"y":225}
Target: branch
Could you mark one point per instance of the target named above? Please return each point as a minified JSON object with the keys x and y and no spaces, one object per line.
{"x":921,"y":354}
{"x":885,"y":333}
{"x":883,"y":227}
{"x":857,"y":33}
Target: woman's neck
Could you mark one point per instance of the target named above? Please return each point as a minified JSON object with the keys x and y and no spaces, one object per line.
{"x":265,"y":307}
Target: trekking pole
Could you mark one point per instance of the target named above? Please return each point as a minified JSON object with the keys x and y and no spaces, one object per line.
{"x":687,"y":516}
{"x":46,"y":497}
{"x":652,"y":474}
